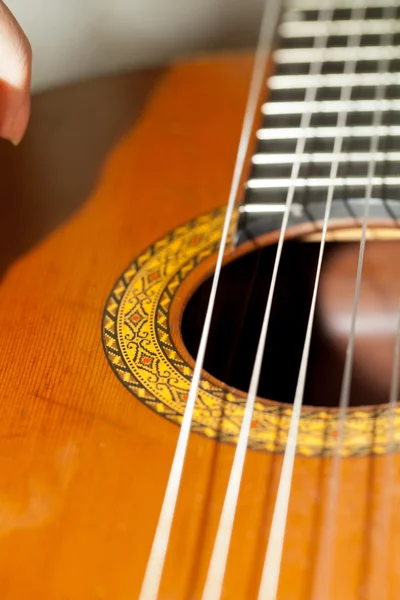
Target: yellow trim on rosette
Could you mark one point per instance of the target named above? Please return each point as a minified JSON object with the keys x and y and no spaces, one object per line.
{"x":142,"y":353}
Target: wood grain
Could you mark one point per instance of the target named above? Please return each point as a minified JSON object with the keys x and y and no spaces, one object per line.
{"x":83,"y":466}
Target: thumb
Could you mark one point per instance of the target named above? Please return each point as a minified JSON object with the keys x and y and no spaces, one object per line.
{"x":15,"y":77}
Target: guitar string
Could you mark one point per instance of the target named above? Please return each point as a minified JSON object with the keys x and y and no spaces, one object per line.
{"x":193,"y":378}
{"x":228,"y":370}
{"x":324,"y":556}
{"x":394,"y":386}
{"x":273,"y":558}
{"x":389,"y":472}
{"x":155,"y":565}
{"x":378,"y":535}
{"x":216,"y":571}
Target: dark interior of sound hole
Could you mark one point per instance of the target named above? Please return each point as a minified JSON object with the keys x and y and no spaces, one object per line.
{"x":240,"y":307}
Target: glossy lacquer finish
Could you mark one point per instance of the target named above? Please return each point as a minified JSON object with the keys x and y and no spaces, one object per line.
{"x":83,"y":464}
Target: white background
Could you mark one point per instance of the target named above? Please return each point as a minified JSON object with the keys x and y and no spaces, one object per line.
{"x":73,"y":39}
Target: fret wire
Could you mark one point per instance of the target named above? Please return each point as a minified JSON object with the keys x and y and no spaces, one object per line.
{"x":332,"y":80}
{"x":304,"y":5}
{"x":299,"y":29}
{"x":296,"y":209}
{"x":324,"y":158}
{"x":336,"y":54}
{"x":285,"y":133}
{"x":329,"y":106}
{"x":316,"y":182}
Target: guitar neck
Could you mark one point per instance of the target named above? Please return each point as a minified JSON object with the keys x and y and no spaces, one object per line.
{"x":330,"y":116}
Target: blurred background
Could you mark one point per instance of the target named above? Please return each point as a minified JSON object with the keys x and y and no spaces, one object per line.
{"x":76,"y":39}
{"x":95,"y":64}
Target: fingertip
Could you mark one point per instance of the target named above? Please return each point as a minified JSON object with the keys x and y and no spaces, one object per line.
{"x":15,"y":123}
{"x":15,"y":78}
{"x":20,"y":124}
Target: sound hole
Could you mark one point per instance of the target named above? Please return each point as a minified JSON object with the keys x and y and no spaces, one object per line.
{"x":240,"y":306}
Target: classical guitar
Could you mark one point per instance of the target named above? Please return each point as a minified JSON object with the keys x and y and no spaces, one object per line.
{"x":200,"y":366}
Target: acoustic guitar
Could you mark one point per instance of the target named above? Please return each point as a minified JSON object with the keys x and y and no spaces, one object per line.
{"x":199,"y":364}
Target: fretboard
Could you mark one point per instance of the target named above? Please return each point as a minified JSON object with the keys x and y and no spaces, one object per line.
{"x":314,"y":53}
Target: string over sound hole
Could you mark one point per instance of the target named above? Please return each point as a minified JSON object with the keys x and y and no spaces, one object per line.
{"x":241,"y":303}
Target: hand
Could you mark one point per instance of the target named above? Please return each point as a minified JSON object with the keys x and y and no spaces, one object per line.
{"x":15,"y":77}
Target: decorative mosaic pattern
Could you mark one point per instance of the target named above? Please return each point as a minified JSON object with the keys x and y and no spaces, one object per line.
{"x":141,"y":352}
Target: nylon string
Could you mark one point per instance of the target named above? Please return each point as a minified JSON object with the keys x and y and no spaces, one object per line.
{"x":272,"y":565}
{"x":156,"y":561}
{"x":324,"y":562}
{"x":389,"y":473}
{"x":217,"y":567}
{"x":394,"y":387}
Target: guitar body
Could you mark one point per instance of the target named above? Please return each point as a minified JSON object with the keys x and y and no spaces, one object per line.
{"x":85,"y":460}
